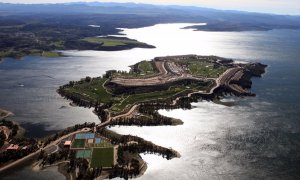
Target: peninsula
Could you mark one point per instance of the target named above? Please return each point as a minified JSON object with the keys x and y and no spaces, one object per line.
{"x":163,"y":82}
{"x":89,"y":150}
{"x":134,"y":98}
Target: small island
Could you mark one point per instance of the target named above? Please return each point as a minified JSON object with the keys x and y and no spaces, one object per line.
{"x":121,"y":98}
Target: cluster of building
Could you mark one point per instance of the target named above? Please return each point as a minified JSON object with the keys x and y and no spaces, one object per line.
{"x":10,"y":146}
{"x":15,"y":147}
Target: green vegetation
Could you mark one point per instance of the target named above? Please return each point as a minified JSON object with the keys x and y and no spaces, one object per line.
{"x":33,"y":52}
{"x":93,"y":90}
{"x":12,"y":53}
{"x":132,"y":99}
{"x":110,"y":42}
{"x":43,"y":35}
{"x":96,"y":91}
{"x":50,"y":54}
{"x":205,"y":69}
{"x":78,"y":143}
{"x":103,"y":144}
{"x":146,"y":67}
{"x":172,"y":91}
{"x":84,"y":154}
{"x":102,"y":157}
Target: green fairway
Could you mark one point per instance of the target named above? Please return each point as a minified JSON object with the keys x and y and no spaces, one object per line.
{"x":205,"y":69}
{"x":84,"y":154}
{"x":91,"y":90}
{"x":146,"y":67}
{"x":102,"y":157}
{"x":78,"y":143}
{"x":132,"y":99}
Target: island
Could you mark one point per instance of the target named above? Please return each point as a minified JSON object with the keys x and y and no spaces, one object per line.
{"x":121,"y":98}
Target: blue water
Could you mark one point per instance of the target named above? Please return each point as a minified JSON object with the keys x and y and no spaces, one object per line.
{"x":258,"y":138}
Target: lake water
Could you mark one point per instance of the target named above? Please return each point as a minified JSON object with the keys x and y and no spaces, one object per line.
{"x":257,"y":138}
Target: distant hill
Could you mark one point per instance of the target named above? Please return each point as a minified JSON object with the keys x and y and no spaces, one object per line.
{"x":153,"y":14}
{"x":40,"y":29}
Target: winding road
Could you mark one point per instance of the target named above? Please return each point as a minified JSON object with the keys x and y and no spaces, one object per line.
{"x":31,"y":155}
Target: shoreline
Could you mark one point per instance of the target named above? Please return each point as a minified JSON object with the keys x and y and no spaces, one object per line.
{"x":55,"y":53}
{"x":4,"y":114}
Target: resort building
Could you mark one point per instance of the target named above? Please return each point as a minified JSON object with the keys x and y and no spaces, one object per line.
{"x":67,"y":143}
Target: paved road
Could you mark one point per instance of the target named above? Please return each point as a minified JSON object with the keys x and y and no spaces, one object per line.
{"x":126,"y":114}
{"x":224,"y":79}
{"x":161,"y":78}
{"x":10,"y":165}
{"x":110,"y":119}
{"x":51,"y":149}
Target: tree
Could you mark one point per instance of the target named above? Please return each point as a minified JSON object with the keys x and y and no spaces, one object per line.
{"x":88,"y":79}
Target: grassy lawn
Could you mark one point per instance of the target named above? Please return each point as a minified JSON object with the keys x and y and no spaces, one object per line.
{"x":84,"y":154}
{"x":102,"y":157}
{"x":110,"y":42}
{"x":146,"y":67}
{"x":205,"y":69}
{"x":132,"y":99}
{"x":92,"y":90}
{"x":103,"y":144}
{"x":95,"y":91}
{"x":78,"y":143}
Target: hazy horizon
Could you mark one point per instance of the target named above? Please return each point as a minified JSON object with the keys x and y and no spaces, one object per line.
{"x":288,"y":7}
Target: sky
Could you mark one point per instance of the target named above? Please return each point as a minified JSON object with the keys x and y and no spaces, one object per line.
{"x":291,"y":7}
